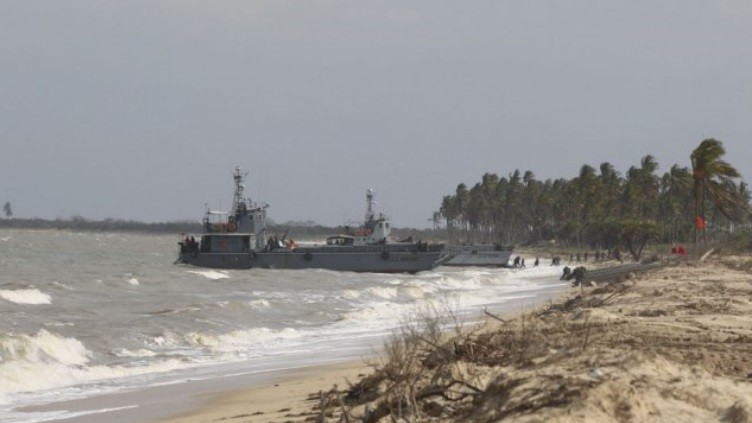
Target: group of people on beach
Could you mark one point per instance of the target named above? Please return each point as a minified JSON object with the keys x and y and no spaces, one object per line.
{"x":574,"y":258}
{"x":520,"y":262}
{"x":583,"y":257}
{"x":609,"y":254}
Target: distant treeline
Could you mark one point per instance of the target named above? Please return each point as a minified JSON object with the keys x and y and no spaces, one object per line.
{"x":114,"y":225}
{"x":603,"y":209}
{"x":307,"y":231}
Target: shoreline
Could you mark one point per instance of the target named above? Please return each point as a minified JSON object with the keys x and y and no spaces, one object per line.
{"x":674,"y":345}
{"x":283,"y":397}
{"x":192,"y":389}
{"x":292,"y":394}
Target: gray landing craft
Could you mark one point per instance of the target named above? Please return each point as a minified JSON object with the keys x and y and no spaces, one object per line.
{"x":238,"y":240}
{"x":479,"y":255}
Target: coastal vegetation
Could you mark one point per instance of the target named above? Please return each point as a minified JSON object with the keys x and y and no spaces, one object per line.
{"x":117,"y":225}
{"x":603,"y":209}
{"x":600,"y":357}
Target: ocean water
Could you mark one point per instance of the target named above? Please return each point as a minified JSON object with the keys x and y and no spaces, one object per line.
{"x":82,"y":314}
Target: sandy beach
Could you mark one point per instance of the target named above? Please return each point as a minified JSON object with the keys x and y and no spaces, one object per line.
{"x":671,"y":345}
{"x":288,"y":398}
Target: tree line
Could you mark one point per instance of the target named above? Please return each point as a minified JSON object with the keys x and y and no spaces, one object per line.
{"x":297,"y":230}
{"x":603,"y":209}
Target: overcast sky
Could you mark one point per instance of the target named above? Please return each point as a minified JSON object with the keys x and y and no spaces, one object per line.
{"x":141,"y":109}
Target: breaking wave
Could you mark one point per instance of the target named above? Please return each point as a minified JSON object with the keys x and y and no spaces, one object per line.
{"x":210,"y":274}
{"x":26,"y":296}
{"x":46,"y":360}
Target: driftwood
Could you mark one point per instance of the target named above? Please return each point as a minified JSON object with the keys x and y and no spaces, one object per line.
{"x":493,"y":316}
{"x":706,"y":255}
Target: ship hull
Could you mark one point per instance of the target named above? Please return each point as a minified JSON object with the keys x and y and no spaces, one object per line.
{"x":377,"y":261}
{"x":479,"y":256}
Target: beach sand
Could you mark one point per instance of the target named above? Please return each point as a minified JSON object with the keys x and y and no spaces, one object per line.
{"x":291,"y":397}
{"x":672,"y":345}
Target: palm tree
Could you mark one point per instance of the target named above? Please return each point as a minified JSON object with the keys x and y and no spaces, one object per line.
{"x":714,"y":181}
{"x":674,"y":200}
{"x":587,"y":187}
{"x":488,"y":185}
{"x":611,"y":181}
{"x":449,"y":212}
{"x":436,"y":219}
{"x":461,"y":204}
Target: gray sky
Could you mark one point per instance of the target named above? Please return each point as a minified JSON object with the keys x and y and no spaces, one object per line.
{"x":141,"y":109}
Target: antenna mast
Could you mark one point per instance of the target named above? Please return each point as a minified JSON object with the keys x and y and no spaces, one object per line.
{"x":238,"y":177}
{"x":369,"y":205}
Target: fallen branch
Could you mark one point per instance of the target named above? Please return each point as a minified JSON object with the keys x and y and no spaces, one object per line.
{"x":493,"y":316}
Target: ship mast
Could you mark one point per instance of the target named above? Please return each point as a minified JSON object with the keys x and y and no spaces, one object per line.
{"x":238,"y":177}
{"x":369,"y":205}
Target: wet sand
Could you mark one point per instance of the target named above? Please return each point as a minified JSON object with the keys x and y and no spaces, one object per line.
{"x":289,"y":397}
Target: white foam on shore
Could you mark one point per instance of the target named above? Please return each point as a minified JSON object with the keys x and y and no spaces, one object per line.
{"x":235,"y":340}
{"x":350,"y":294}
{"x":258,"y":336}
{"x":44,"y":416}
{"x":26,"y":296}
{"x":382,"y":292}
{"x":143,"y":352}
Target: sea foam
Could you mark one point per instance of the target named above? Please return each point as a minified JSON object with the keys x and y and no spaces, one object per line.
{"x":26,"y":296}
{"x":44,"y":346}
{"x":241,"y":341}
{"x":46,"y":360}
{"x":210,"y":274}
{"x":259,"y":304}
{"x":382,"y":292}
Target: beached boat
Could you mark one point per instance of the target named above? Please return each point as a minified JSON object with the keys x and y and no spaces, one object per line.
{"x":238,"y":240}
{"x":479,"y":255}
